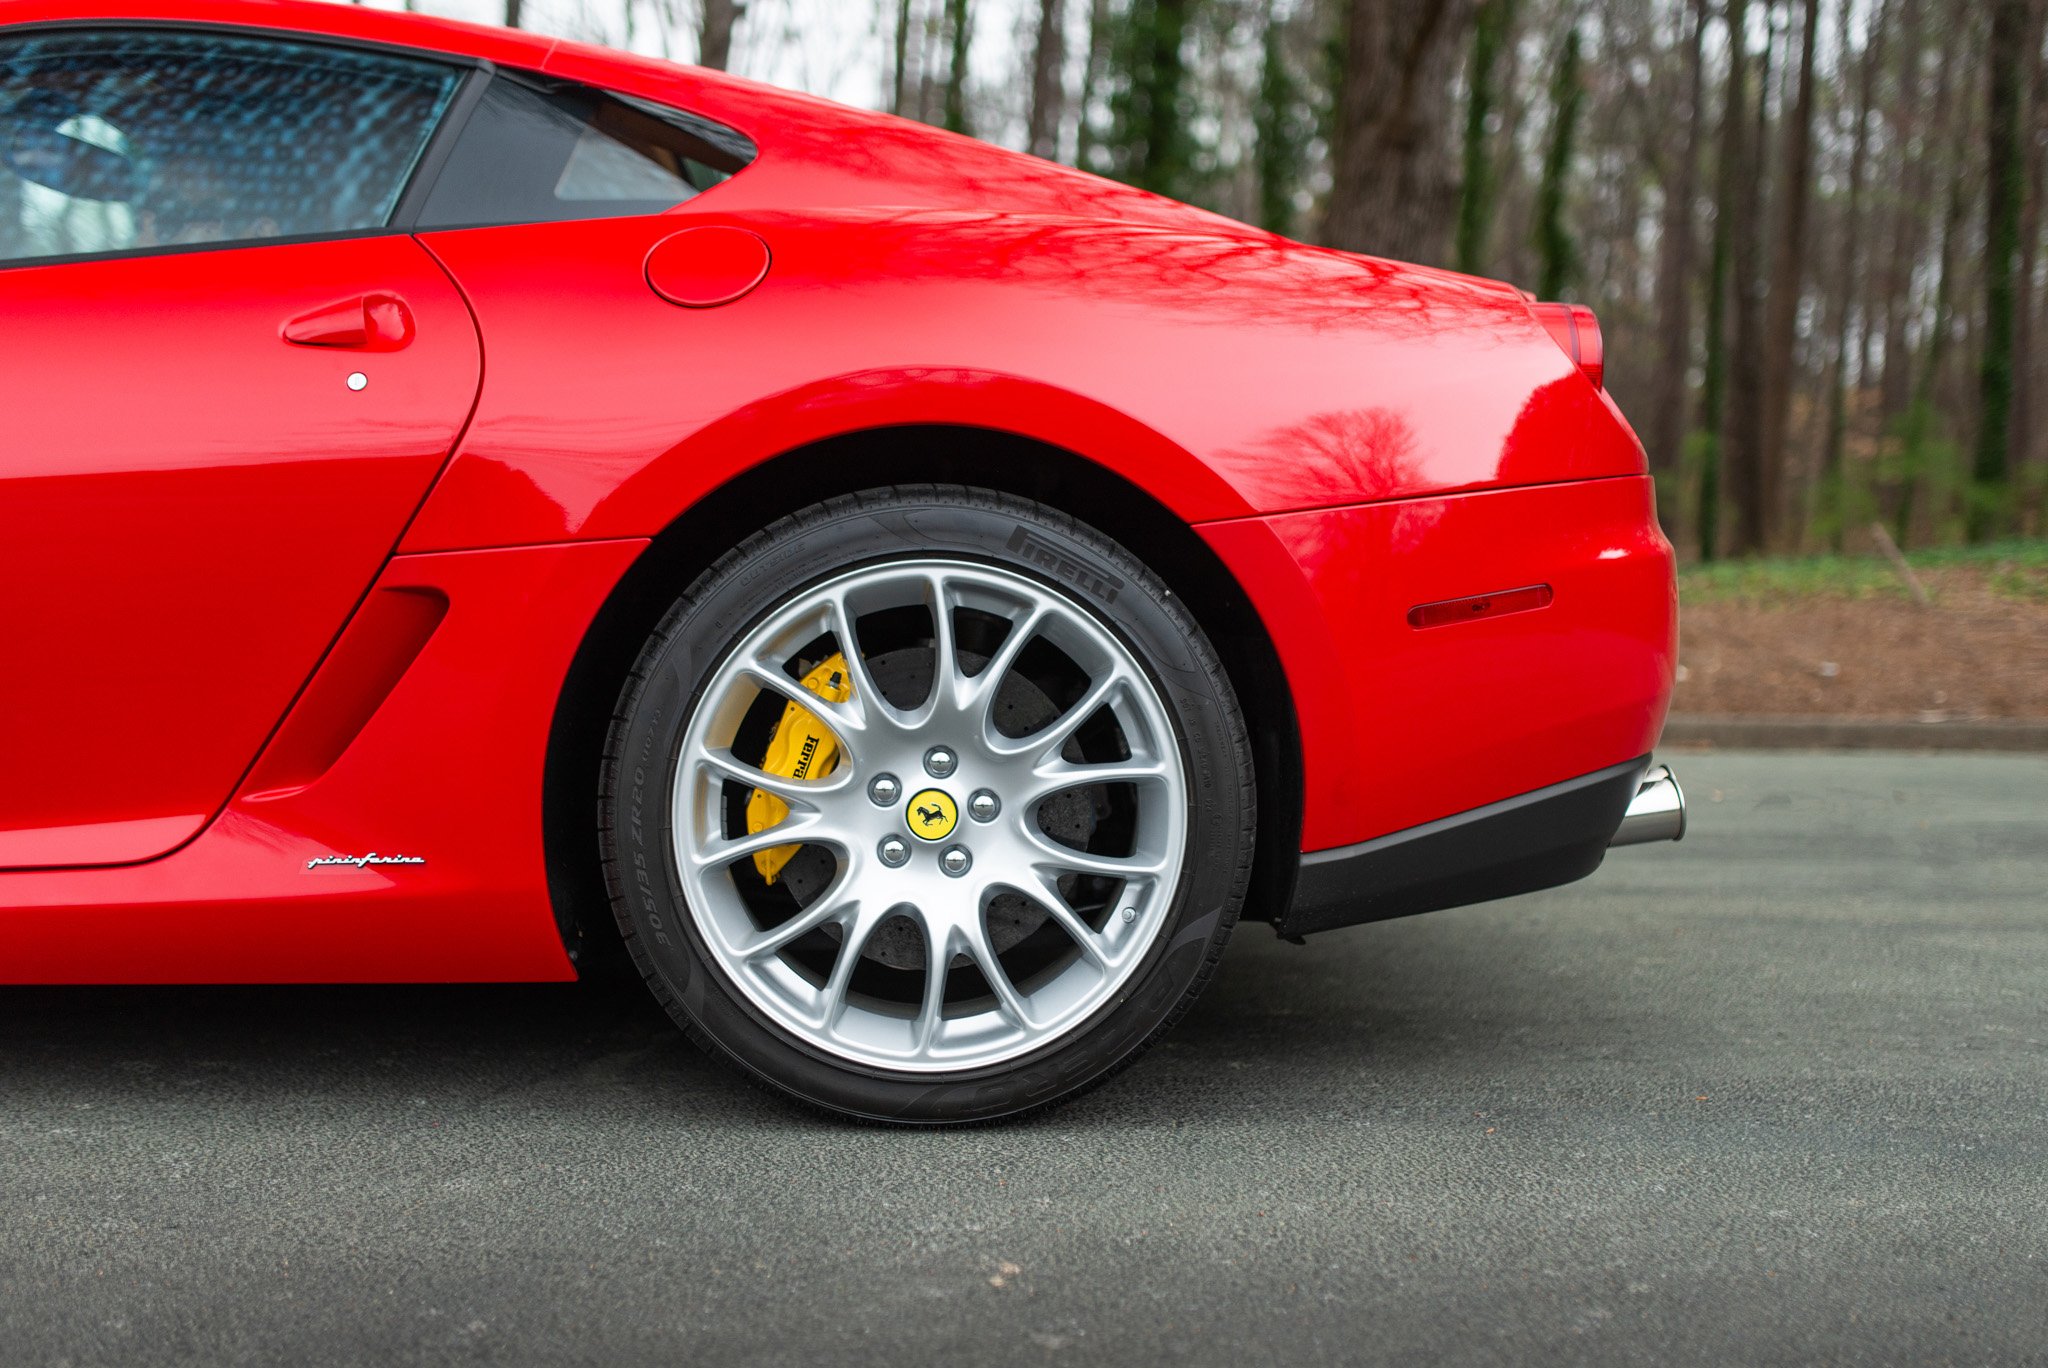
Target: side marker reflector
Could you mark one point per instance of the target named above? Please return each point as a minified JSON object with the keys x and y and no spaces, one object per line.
{"x":1480,"y":606}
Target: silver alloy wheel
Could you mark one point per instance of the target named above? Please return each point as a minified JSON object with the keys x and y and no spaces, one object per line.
{"x":951,"y":743}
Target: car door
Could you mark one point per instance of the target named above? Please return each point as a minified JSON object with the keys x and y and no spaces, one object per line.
{"x":225,"y":385}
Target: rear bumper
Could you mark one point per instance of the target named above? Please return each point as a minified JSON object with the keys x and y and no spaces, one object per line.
{"x":1405,"y":723}
{"x":1536,"y":840}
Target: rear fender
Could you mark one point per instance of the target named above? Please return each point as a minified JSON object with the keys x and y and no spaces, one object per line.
{"x":1226,"y":375}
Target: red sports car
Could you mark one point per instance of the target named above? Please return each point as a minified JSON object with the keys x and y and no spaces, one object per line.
{"x":470,"y":503}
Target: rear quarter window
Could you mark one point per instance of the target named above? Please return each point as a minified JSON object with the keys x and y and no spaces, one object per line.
{"x":539,"y":151}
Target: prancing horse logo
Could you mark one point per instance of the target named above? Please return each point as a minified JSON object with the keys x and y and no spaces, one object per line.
{"x":932,"y":815}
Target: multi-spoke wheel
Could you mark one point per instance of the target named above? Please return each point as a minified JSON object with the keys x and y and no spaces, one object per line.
{"x":928,"y":805}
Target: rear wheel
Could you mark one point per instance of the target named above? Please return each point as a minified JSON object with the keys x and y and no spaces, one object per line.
{"x":927,"y":805}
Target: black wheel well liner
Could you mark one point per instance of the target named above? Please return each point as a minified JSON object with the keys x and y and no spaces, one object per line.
{"x":980,"y":457}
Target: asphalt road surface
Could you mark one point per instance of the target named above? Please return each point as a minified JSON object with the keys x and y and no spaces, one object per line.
{"x":1777,"y":1094}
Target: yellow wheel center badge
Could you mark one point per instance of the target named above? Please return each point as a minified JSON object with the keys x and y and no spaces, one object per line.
{"x":932,"y":815}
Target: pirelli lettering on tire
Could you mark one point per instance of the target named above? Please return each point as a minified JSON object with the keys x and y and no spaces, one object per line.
{"x":1062,"y":566}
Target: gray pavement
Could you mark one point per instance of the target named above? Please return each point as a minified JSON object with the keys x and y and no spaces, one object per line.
{"x":1778,"y":1094}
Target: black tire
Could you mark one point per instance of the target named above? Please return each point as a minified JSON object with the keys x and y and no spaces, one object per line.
{"x":879,"y":525}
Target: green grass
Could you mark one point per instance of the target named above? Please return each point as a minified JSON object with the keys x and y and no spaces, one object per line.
{"x":2012,"y":569}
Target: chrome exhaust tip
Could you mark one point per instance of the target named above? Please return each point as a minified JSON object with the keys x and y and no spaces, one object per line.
{"x":1656,"y":813}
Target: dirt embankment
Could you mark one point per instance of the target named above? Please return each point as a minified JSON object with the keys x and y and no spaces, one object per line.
{"x":1976,"y":651}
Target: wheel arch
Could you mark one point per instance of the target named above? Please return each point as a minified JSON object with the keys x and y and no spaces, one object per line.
{"x":843,"y":464}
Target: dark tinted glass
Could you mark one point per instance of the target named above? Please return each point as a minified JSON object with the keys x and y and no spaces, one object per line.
{"x":536,"y":151}
{"x":117,"y":141}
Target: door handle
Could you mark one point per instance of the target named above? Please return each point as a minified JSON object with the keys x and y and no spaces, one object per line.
{"x":368,"y":322}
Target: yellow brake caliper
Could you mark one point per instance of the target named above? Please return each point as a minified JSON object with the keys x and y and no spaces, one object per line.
{"x":802,"y":748}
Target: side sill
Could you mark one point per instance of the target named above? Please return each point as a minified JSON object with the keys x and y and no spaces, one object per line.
{"x":1551,"y":836}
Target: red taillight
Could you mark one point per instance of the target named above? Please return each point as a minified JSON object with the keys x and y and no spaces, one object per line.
{"x":1578,"y":332}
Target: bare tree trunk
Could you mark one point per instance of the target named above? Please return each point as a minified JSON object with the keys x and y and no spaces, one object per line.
{"x":959,"y":35}
{"x":1788,"y":274}
{"x":1847,"y":288}
{"x":1494,"y":30}
{"x":1556,"y":248}
{"x":1510,"y":181}
{"x":1919,"y":437}
{"x":1391,"y":190}
{"x":1944,"y":157}
{"x":514,"y":9}
{"x":714,"y":34}
{"x":2027,"y":353}
{"x":1283,"y":121}
{"x":931,"y":33}
{"x":1150,"y":142}
{"x":1048,"y":81}
{"x":1093,"y":73}
{"x":1676,"y":250}
{"x":1910,"y":207}
{"x":1743,"y":434}
{"x":1714,"y":395}
{"x":2006,"y":186}
{"x":900,"y":73}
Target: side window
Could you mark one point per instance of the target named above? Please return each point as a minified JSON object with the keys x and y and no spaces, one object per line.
{"x":122,"y":141}
{"x":539,"y":151}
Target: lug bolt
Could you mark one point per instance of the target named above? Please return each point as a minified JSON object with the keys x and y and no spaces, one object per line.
{"x":885,"y":790}
{"x":1130,"y":914}
{"x":939,"y":762}
{"x":984,"y":806}
{"x":893,"y":851}
{"x":956,"y":860}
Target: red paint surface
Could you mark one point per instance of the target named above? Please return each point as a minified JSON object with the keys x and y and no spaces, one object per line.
{"x":448,"y":769}
{"x":227,"y":654}
{"x":190,"y":509}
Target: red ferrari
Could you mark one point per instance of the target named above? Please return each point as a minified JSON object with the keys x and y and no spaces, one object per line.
{"x":471,"y":504}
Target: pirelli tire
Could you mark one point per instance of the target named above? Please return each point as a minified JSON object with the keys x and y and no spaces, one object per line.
{"x":1031,"y":845}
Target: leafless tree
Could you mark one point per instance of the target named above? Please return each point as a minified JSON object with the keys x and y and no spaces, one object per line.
{"x":1391,"y":186}
{"x":714,"y":31}
{"x":1048,"y":80}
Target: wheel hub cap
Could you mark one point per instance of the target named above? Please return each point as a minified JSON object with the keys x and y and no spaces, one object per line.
{"x":932,"y":815}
